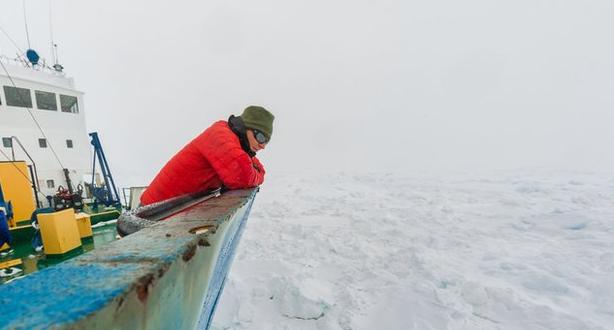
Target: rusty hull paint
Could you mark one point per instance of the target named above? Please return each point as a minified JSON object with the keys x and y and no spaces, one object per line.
{"x":157,"y":278}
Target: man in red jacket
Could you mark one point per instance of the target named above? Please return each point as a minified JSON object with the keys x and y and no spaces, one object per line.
{"x":223,"y":155}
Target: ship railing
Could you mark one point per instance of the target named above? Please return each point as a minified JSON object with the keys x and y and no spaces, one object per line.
{"x":21,"y":62}
{"x":167,"y":275}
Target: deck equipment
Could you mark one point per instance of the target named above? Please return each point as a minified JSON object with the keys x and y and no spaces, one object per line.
{"x":106,"y":194}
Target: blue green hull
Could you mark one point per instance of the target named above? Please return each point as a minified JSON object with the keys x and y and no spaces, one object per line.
{"x":166,"y":276}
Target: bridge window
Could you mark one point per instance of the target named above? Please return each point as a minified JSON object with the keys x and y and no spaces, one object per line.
{"x":46,"y":100}
{"x":69,"y":144}
{"x":69,"y":103}
{"x":50,"y":184}
{"x":42,"y":143}
{"x":7,"y":142}
{"x":18,"y":97}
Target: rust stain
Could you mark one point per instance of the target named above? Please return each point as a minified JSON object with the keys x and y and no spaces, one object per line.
{"x":189,"y":253}
{"x":120,"y":303}
{"x":162,"y":270}
{"x":142,"y":288}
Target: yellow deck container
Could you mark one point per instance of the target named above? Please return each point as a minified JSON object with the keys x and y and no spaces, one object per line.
{"x":85,"y":225}
{"x":10,"y":263}
{"x":15,"y":181}
{"x":59,"y":231}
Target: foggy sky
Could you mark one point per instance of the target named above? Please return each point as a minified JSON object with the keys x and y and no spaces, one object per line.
{"x":354,"y":85}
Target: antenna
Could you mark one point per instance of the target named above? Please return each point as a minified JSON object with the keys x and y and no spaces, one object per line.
{"x":57,"y":66}
{"x":53,"y":45}
{"x":25,"y":19}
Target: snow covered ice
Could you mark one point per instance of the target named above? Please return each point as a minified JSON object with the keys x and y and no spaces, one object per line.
{"x":504,"y":250}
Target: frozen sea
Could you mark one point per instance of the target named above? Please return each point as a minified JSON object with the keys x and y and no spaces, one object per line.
{"x":498,"y":250}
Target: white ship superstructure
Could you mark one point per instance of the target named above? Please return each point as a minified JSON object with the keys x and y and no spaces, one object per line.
{"x":57,"y":107}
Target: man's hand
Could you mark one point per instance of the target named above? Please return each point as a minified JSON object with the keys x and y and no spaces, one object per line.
{"x":257,"y":165}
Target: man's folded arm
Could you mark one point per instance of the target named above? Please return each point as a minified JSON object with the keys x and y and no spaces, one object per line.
{"x":234,"y":166}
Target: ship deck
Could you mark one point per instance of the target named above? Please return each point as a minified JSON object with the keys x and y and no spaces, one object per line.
{"x":32,"y":261}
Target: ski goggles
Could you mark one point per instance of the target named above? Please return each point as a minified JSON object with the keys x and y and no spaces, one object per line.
{"x":260,"y":137}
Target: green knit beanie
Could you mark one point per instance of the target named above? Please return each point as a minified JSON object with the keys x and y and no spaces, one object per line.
{"x":258,"y":118}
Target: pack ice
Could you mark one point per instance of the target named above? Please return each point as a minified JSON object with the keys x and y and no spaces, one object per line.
{"x":502,"y":250}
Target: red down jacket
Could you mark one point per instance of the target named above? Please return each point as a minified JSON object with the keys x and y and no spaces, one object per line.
{"x":212,"y":159}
